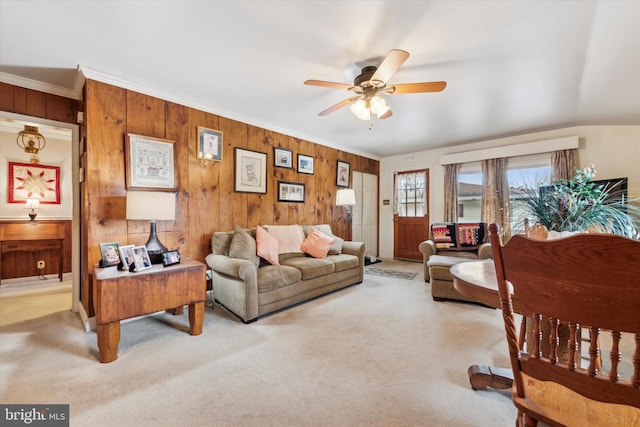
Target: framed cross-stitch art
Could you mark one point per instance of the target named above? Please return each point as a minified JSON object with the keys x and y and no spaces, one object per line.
{"x":32,"y":180}
{"x":150,"y":163}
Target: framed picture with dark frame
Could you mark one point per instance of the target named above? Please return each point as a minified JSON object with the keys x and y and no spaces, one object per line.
{"x":209,"y":144}
{"x":150,"y":163}
{"x":305,"y":164}
{"x":282,"y":158}
{"x":109,"y":254}
{"x":170,"y":258}
{"x":250,"y":171}
{"x":291,"y":192}
{"x":343,"y":172}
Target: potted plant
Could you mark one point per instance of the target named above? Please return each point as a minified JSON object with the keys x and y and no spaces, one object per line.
{"x":578,"y":205}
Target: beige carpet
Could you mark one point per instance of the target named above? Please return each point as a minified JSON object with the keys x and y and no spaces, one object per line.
{"x":381,"y":353}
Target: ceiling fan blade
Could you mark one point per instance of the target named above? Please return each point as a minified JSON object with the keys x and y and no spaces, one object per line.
{"x":386,"y":115}
{"x":390,"y":65}
{"x":338,"y":106}
{"x":322,"y":83}
{"x":418,"y":87}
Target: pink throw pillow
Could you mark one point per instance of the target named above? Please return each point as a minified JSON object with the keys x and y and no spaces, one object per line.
{"x":267,"y":246}
{"x":317,"y":244}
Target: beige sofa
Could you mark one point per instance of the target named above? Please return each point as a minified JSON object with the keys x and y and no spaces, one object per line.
{"x":251,"y":289}
{"x":450,"y":244}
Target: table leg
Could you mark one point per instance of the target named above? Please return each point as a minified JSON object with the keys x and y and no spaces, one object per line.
{"x":196,"y":317}
{"x":482,"y":377}
{"x":108,"y":340}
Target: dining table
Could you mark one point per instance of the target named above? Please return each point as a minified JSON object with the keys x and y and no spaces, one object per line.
{"x":477,"y":279}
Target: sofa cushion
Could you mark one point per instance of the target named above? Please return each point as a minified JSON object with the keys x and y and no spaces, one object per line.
{"x":336,"y":246}
{"x":317,"y":244}
{"x":272,"y":277}
{"x":458,"y":236}
{"x":267,"y":246}
{"x":344,"y":261}
{"x":290,"y":237}
{"x":310,"y":267}
{"x":243,"y":246}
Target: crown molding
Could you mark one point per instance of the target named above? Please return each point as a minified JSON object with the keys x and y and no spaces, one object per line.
{"x":73,"y":93}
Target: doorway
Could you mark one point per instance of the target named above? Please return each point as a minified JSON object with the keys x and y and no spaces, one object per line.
{"x":365,"y":212}
{"x":411,"y":213}
{"x":65,"y":133}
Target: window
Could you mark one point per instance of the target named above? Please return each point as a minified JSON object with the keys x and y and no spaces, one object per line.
{"x":411,"y":194}
{"x":522,"y":172}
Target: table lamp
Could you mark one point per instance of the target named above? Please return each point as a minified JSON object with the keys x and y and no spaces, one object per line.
{"x":346,"y":197}
{"x":32,"y":204}
{"x":153,"y":206}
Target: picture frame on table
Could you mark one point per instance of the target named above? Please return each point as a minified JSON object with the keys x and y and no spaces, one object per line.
{"x":250,"y":171}
{"x":209,"y":144}
{"x":150,"y":163}
{"x":170,"y":258}
{"x":282,"y":158}
{"x":141,"y":258}
{"x":109,"y":254}
{"x":291,"y":192}
{"x":343,"y":171}
{"x":126,"y":255}
{"x":305,"y":164}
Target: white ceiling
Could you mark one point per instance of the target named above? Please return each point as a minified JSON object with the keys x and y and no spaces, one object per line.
{"x":512,"y":67}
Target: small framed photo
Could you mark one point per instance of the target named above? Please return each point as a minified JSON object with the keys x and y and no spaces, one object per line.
{"x":110,"y":254}
{"x":305,"y":164}
{"x":342,"y":174}
{"x":170,"y":258}
{"x":283,"y":158}
{"x":209,"y":144}
{"x":250,"y":171}
{"x":290,"y":192}
{"x":141,"y":258}
{"x":126,"y":255}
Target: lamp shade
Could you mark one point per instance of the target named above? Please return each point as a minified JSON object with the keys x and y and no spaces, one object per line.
{"x":346,"y":197}
{"x":151,"y":205}
{"x":32,"y":204}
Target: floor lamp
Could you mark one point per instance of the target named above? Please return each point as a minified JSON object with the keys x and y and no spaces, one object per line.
{"x":153,"y":206}
{"x":346,"y":197}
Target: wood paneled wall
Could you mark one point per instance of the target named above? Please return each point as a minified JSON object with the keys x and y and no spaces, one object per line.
{"x":206,"y":201}
{"x":30,"y":102}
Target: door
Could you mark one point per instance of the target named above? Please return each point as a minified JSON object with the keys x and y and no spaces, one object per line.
{"x":411,"y":213}
{"x":365,"y":212}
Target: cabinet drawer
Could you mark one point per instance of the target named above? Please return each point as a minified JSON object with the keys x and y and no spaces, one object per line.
{"x":31,"y":245}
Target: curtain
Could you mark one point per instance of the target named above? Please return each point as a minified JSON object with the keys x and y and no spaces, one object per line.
{"x":495,"y":195}
{"x":451,"y":192}
{"x":563,"y":164}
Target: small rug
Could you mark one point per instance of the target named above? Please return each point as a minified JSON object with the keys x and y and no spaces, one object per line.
{"x":390,"y":273}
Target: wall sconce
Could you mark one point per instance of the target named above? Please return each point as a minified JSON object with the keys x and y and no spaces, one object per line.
{"x":153,"y":206}
{"x":33,"y":204}
{"x":346,"y":197}
{"x":31,"y":141}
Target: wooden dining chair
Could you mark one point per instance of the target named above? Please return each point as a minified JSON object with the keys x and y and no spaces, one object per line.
{"x":585,"y":279}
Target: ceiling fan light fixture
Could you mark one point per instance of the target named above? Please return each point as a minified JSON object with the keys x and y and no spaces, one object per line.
{"x":361,"y":110}
{"x":378,"y":105}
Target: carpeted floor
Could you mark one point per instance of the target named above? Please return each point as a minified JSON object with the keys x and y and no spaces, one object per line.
{"x":381,"y":353}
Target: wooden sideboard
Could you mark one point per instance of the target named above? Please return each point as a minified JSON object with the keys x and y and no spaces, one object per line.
{"x":23,"y":243}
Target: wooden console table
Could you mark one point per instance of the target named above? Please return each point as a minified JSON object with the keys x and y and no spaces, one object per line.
{"x":32,"y":237}
{"x":120,"y":295}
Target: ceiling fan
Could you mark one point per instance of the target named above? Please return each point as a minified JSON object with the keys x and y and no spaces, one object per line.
{"x":372,"y":83}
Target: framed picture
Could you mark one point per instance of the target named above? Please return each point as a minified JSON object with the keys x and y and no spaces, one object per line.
{"x":170,"y":258}
{"x":342,"y":174}
{"x":250,"y":171}
{"x":126,"y":255}
{"x":209,"y":144}
{"x":30,"y":180}
{"x":290,"y":192}
{"x":110,"y":254}
{"x":305,"y":164}
{"x":141,"y":258}
{"x":150,"y":163}
{"x":283,"y":158}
